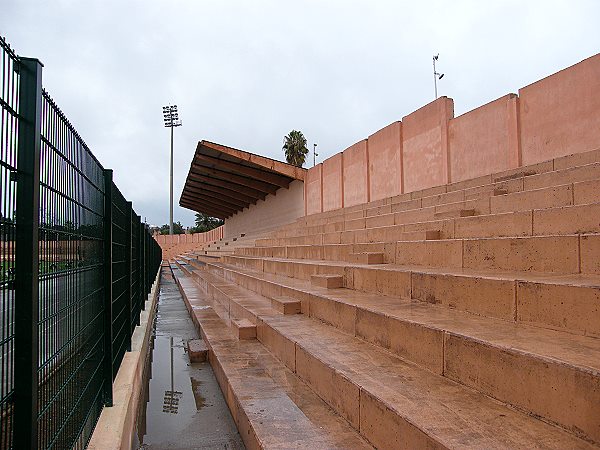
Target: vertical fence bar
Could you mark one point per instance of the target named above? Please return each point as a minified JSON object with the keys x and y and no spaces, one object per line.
{"x":128,"y":268}
{"x":108,"y":283}
{"x":27,"y":255}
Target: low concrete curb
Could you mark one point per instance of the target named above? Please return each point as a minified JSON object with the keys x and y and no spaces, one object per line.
{"x":116,"y":426}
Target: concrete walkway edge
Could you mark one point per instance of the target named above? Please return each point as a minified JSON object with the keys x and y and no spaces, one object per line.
{"x":116,"y":426}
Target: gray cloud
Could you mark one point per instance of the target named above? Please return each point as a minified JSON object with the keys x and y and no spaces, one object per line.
{"x":245,"y":73}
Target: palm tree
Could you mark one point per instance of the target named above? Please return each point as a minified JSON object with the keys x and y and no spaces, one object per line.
{"x":295,"y":148}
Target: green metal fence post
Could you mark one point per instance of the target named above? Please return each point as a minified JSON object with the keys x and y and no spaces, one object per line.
{"x":140,"y":297}
{"x":108,"y":283}
{"x":128,"y":267}
{"x":27,"y":256}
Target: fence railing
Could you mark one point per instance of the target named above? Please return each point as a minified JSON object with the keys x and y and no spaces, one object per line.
{"x":77,"y":265}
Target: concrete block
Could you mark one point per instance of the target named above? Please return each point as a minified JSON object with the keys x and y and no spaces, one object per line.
{"x":567,"y":220}
{"x":586,"y":192}
{"x":566,"y":176}
{"x":356,"y":224}
{"x":441,"y":199}
{"x":452,"y":214}
{"x":336,"y":252}
{"x":536,"y":199}
{"x":338,"y":314}
{"x":197,"y":350}
{"x":570,"y":307}
{"x":486,"y":296}
{"x":520,"y":380}
{"x":337,"y":391}
{"x":590,"y":253}
{"x":286,"y":305}
{"x":417,"y":343}
{"x":406,"y":205}
{"x":244,"y":329}
{"x":393,"y":282}
{"x":379,"y":221}
{"x":548,"y":254}
{"x":366,"y":258}
{"x":385,"y":428}
{"x":496,"y":225}
{"x":577,"y":159}
{"x":327,"y":281}
{"x":443,"y":253}
{"x":282,"y":347}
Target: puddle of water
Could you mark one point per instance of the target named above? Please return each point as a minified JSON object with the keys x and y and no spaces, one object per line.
{"x":182,"y":405}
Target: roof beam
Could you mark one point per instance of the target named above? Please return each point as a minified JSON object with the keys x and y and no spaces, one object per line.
{"x":215,"y":204}
{"x":227,"y":193}
{"x":204,"y":209}
{"x":268,"y":177}
{"x":236,"y":179}
{"x":254,"y":193}
{"x":211,"y":196}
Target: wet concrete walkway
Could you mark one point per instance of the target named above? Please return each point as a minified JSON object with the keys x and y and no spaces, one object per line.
{"x":185,"y":408}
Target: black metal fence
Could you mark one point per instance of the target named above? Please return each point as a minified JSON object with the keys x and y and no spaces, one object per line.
{"x":77,"y":264}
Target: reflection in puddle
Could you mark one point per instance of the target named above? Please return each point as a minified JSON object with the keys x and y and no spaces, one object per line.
{"x":182,"y":405}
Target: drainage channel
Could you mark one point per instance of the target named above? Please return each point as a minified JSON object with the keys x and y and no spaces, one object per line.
{"x":182,"y":406}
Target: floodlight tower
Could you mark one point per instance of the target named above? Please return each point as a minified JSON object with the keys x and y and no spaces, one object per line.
{"x":315,"y":154}
{"x":436,"y":76}
{"x":171,"y":117}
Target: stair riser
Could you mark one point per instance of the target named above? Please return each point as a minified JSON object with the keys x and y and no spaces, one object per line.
{"x":510,"y":377}
{"x":549,"y":254}
{"x":565,"y":307}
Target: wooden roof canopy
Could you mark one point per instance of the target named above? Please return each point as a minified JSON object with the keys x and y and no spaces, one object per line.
{"x":223,"y":180}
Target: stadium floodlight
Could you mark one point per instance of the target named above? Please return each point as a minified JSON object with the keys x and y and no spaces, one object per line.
{"x":171,"y":118}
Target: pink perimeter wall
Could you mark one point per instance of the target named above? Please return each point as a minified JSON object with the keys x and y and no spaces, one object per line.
{"x":556,"y":116}
{"x":313,"y":196}
{"x":333,"y":187}
{"x":425,"y":145}
{"x":356,"y":174}
{"x":385,"y":162}
{"x":560,"y":114}
{"x":484,"y":140}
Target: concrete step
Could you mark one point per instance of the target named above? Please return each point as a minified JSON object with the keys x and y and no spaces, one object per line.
{"x":377,"y":393}
{"x":563,"y":302}
{"x":565,"y":254}
{"x":271,"y":406}
{"x":565,"y":176}
{"x":447,"y":342}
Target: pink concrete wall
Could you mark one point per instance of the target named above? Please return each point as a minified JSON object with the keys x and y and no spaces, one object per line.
{"x":333,"y":187}
{"x":192,"y":238}
{"x":484,"y":140}
{"x":560,"y":114}
{"x":313,"y":192}
{"x":425,"y":145}
{"x":356,"y":174}
{"x":553,"y":117}
{"x":385,"y":162}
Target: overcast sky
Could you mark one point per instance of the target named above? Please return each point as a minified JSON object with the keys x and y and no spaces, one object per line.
{"x":244,"y":73}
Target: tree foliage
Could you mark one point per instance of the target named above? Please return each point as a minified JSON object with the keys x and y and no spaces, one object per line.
{"x":295,"y":148}
{"x":177,"y":228}
{"x":205,"y":223}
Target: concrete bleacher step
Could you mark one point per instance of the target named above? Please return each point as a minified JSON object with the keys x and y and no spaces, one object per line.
{"x":392,"y":402}
{"x":566,"y":302}
{"x":271,"y":406}
{"x":460,"y":345}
